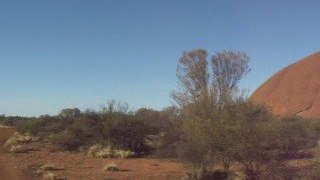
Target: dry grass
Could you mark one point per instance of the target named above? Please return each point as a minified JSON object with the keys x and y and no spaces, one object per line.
{"x":3,"y":126}
{"x":113,"y":167}
{"x":20,"y":149}
{"x":18,"y":139}
{"x":17,"y":143}
{"x":100,"y":151}
{"x":49,"y":176}
{"x":51,"y":167}
{"x":123,"y":153}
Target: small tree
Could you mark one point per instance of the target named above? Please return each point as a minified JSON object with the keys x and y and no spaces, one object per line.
{"x":206,"y":99}
{"x":220,"y":127}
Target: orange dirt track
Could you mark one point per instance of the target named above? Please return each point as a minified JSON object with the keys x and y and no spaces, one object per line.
{"x":294,"y":90}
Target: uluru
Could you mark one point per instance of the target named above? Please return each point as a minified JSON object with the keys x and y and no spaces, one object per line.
{"x":294,"y":90}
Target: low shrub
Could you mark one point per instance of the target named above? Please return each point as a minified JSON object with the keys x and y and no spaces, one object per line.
{"x":49,"y":176}
{"x":20,"y":149}
{"x":114,"y":124}
{"x":246,"y":135}
{"x":18,"y":139}
{"x":123,"y":153}
{"x":4,"y":126}
{"x":100,"y":151}
{"x":67,"y":140}
{"x":113,"y":167}
{"x":17,"y":143}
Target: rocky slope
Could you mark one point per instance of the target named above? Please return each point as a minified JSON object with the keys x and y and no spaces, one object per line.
{"x":294,"y":90}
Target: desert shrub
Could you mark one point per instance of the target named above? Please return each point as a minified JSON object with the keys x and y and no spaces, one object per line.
{"x":113,"y":167}
{"x":42,"y":126}
{"x":220,"y":127}
{"x":156,"y":121}
{"x":4,"y":123}
{"x":113,"y":124}
{"x":94,"y":149}
{"x":125,"y":132}
{"x":123,"y":153}
{"x":17,"y":143}
{"x":312,"y":171}
{"x":243,"y":134}
{"x":49,"y":176}
{"x":67,"y":140}
{"x":120,"y":130}
{"x":20,"y":149}
{"x":4,"y":126}
{"x":167,"y":141}
{"x":295,"y":136}
{"x":20,"y":139}
{"x":31,"y":126}
{"x":101,"y":151}
{"x":80,"y":132}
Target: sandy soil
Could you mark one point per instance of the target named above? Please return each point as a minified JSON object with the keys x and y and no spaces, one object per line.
{"x":8,"y":169}
{"x":78,"y":166}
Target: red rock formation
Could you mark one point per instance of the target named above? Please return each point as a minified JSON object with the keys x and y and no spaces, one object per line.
{"x":294,"y":90}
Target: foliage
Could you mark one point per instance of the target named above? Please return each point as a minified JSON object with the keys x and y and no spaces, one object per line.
{"x":220,"y":127}
{"x":18,"y":139}
{"x":114,"y":125}
{"x":101,"y":151}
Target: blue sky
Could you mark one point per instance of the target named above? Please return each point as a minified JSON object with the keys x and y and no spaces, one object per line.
{"x":80,"y":53}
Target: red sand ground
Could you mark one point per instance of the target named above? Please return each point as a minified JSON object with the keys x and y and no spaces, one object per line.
{"x":295,"y":90}
{"x":8,"y":169}
{"x":78,"y":166}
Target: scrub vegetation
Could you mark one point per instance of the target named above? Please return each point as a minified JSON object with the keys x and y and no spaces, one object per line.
{"x":212,"y":129}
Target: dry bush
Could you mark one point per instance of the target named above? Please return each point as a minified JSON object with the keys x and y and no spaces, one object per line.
{"x":67,"y":140}
{"x":20,"y":149}
{"x":49,"y":176}
{"x":113,"y":167}
{"x":73,"y":129}
{"x":123,"y":153}
{"x":219,"y":127}
{"x":207,"y":99}
{"x":17,"y":143}
{"x":101,"y":151}
{"x":4,"y":126}
{"x":18,"y":139}
{"x":313,"y":169}
{"x":125,"y":131}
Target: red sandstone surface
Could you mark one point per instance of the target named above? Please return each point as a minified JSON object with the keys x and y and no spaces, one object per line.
{"x":294,"y":90}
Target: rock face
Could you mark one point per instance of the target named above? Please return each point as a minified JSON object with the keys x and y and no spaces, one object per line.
{"x":294,"y":90}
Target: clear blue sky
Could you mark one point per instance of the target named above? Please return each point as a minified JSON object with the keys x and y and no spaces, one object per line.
{"x":80,"y":53}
